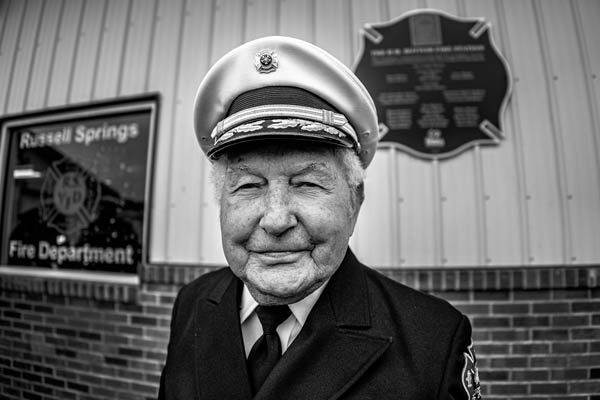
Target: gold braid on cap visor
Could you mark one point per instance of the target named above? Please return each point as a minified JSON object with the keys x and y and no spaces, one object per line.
{"x":327,"y":117}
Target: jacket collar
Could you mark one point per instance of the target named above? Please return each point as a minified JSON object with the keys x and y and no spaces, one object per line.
{"x":349,"y":295}
{"x":219,"y":350}
{"x":335,"y":347}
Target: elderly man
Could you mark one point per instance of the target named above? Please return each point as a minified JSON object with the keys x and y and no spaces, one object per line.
{"x":295,"y":316}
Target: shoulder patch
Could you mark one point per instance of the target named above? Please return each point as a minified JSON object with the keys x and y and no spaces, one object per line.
{"x":470,"y":375}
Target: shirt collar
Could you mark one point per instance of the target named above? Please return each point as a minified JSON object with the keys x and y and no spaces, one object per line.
{"x":300,"y":309}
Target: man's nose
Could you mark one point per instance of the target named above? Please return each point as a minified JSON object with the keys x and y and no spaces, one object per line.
{"x":278,"y":216}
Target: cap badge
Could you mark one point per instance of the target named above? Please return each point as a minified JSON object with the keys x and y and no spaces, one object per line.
{"x":266,"y":61}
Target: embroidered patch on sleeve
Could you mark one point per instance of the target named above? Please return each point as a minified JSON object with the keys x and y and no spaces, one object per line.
{"x":470,"y":375}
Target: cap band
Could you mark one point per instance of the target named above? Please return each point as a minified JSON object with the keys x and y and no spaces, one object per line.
{"x":323,"y":116}
{"x":277,"y":129}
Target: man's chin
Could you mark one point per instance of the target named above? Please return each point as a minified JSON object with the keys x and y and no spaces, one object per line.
{"x":281,"y":283}
{"x":274,"y":295}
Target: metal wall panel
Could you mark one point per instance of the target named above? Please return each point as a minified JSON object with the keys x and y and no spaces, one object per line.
{"x":332,"y":31}
{"x":575,"y":136}
{"x":60,"y":76}
{"x":374,"y":237}
{"x":4,"y":6}
{"x":113,"y":40}
{"x":138,"y":47}
{"x":502,"y":204}
{"x":360,"y":13}
{"x":265,"y":11}
{"x":43,"y":56}
{"x":229,"y":19}
{"x":419,"y":207}
{"x":297,"y":19}
{"x":26,"y":54}
{"x":376,"y":240}
{"x":163,"y":75}
{"x":395,"y":8}
{"x":535,"y":129}
{"x":87,"y":51}
{"x":10,"y":43}
{"x":415,"y":203}
{"x":587,"y":14}
{"x":534,"y":199}
{"x":186,"y":183}
{"x":459,"y":194}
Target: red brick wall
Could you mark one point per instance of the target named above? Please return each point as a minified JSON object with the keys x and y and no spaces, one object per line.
{"x":537,"y":331}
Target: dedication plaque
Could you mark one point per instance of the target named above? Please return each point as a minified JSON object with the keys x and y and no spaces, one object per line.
{"x":76,"y":184}
{"x":438,"y":82}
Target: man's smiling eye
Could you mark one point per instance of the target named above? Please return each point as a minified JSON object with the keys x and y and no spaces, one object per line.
{"x":307,"y":184}
{"x":248,"y":186}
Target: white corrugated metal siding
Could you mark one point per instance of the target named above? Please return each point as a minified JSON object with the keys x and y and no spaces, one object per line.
{"x":534,"y":199}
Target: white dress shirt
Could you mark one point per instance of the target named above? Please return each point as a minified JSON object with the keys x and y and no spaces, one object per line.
{"x":287,"y":330}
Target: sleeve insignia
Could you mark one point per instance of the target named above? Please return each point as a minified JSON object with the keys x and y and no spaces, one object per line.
{"x":470,"y":375}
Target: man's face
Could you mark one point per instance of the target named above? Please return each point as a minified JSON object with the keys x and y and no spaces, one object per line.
{"x":286,"y":217}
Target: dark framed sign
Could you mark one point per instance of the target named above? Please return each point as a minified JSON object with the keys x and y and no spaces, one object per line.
{"x":76,"y":184}
{"x":439,"y":84}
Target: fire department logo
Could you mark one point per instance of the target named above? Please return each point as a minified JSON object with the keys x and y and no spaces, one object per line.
{"x":470,"y":375}
{"x":266,"y":61}
{"x":69,"y":197}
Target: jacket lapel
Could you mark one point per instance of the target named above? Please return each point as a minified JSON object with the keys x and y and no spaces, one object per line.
{"x":220,"y":357}
{"x":335,"y":347}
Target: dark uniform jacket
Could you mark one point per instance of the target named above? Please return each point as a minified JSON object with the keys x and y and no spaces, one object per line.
{"x":367,"y":337}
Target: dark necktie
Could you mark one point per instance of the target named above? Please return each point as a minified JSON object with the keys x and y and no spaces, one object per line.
{"x":267,"y":350}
